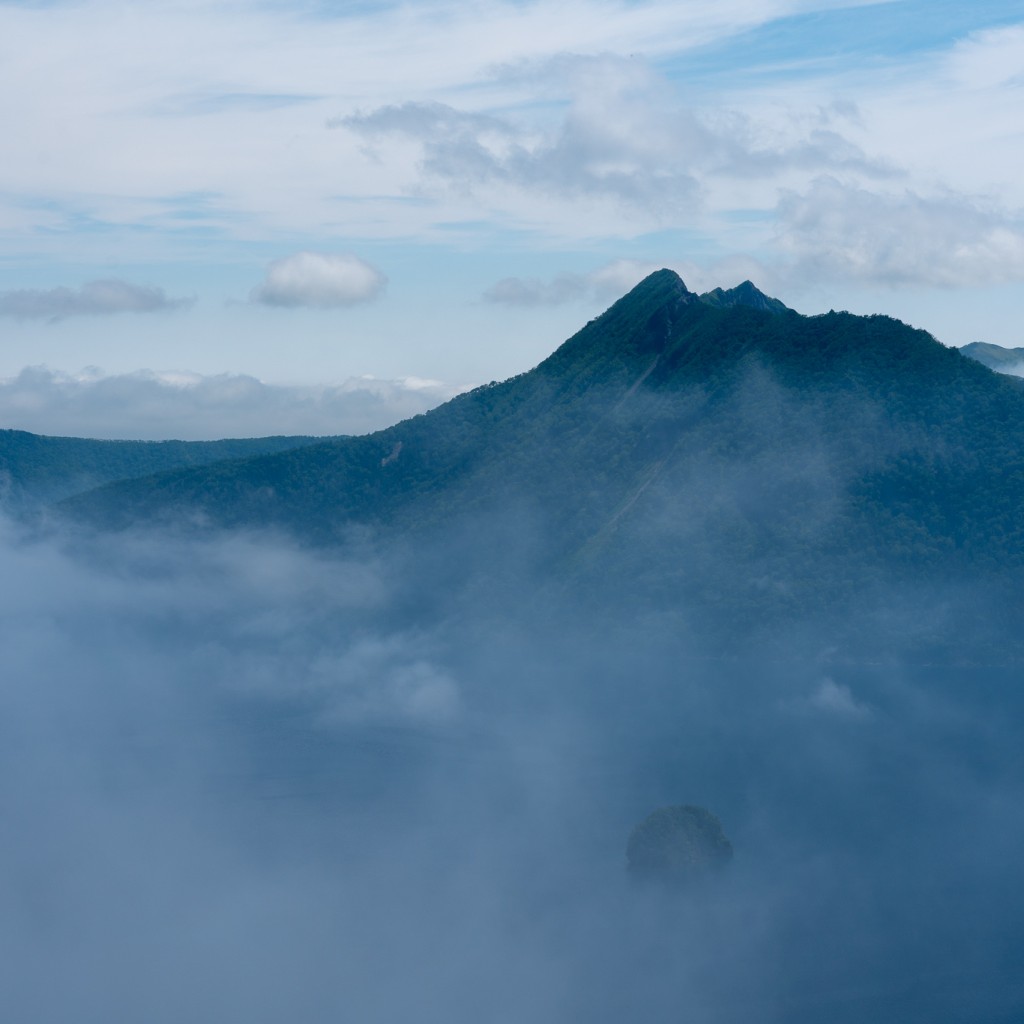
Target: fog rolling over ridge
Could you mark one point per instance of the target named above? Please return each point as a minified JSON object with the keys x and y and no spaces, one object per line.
{"x":390,"y":774}
{"x":718,"y":455}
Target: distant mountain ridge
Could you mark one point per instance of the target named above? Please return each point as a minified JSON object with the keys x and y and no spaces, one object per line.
{"x":37,"y":468}
{"x":995,"y":357}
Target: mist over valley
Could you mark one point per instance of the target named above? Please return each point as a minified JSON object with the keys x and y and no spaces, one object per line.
{"x":359,"y":728}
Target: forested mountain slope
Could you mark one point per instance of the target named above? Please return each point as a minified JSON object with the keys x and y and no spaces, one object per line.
{"x":748,"y":461}
{"x":34,"y":467}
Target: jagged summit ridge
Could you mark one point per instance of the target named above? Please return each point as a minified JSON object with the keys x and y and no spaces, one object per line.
{"x":649,"y":323}
{"x":745,"y":294}
{"x":667,"y":286}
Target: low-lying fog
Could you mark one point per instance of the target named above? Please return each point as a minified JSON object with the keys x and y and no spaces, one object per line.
{"x":240,"y":782}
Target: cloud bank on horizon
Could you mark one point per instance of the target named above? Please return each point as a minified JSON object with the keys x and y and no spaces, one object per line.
{"x":151,"y":406}
{"x":841,"y":153}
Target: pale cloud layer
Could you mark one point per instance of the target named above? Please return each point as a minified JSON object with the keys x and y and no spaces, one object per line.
{"x":94,"y":298}
{"x":224,"y":120}
{"x":895,"y":239}
{"x":154,"y":406}
{"x":623,"y":138}
{"x":319,"y":280}
{"x":498,"y":113}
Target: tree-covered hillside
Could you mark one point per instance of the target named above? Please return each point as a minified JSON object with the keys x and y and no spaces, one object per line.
{"x":36,"y":468}
{"x":736,"y":458}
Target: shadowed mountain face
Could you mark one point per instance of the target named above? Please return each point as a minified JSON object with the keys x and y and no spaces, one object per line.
{"x":723,"y":454}
{"x":35,"y":468}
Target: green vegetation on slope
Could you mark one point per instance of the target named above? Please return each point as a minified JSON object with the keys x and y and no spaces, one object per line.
{"x":34,"y":467}
{"x":751,"y":464}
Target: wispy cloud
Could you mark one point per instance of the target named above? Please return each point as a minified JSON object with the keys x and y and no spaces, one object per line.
{"x":624,"y":136}
{"x":265,"y":73}
{"x":832,"y":698}
{"x":607,"y":282}
{"x":94,"y":298}
{"x":320,"y":280}
{"x":841,"y":232}
{"x":582,"y":157}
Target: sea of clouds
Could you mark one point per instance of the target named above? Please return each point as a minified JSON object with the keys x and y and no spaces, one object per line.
{"x":244,"y":781}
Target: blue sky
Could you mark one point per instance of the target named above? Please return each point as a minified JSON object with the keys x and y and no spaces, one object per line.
{"x":427,"y":196}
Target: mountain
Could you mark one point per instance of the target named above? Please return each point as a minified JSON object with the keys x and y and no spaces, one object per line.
{"x":744,"y":294}
{"x":995,"y":357}
{"x":35,"y":468}
{"x":730,"y":459}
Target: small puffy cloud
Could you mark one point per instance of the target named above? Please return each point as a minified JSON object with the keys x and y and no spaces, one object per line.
{"x":319,"y":280}
{"x":191,"y":407}
{"x":841,"y":232}
{"x":94,"y":298}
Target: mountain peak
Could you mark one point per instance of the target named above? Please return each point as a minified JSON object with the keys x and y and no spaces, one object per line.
{"x":663,"y":276}
{"x":745,"y":294}
{"x":660,"y":286}
{"x":666,"y":286}
{"x":637,"y":326}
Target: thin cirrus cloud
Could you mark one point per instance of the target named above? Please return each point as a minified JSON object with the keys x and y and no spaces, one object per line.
{"x":320,"y":281}
{"x":94,"y":298}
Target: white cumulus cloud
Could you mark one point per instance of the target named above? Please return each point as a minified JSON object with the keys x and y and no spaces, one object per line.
{"x":319,"y":280}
